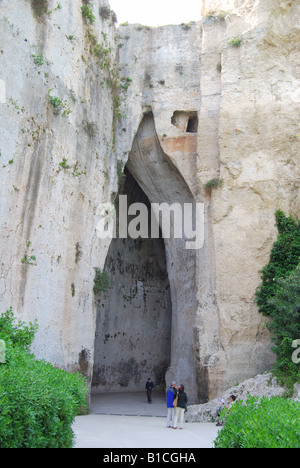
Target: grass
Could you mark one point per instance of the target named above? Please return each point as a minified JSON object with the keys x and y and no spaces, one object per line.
{"x":235,"y":42}
{"x":213,"y":184}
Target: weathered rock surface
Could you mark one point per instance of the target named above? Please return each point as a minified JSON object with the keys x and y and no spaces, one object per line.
{"x":55,"y":171}
{"x":197,"y":108}
{"x":264,"y":385}
{"x":246,"y":100}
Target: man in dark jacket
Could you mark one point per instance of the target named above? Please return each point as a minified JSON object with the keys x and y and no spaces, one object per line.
{"x":149,"y":386}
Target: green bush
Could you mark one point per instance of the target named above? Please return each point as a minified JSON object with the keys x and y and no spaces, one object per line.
{"x":101,"y":281}
{"x":38,"y":403}
{"x":264,"y":423}
{"x":217,"y":15}
{"x":88,"y":13}
{"x":284,"y":259}
{"x":278,"y":297}
{"x":17,"y":332}
{"x":285,"y":327}
{"x":235,"y":42}
{"x":213,"y":184}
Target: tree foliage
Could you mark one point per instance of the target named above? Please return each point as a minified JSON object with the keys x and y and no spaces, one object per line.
{"x":279,"y":297}
{"x":284,"y":259}
{"x":17,"y":332}
{"x":285,"y":327}
{"x":264,"y":423}
{"x":38,"y":403}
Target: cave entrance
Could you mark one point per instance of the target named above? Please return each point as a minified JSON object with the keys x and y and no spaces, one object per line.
{"x":133,"y":327}
{"x":147,"y":322}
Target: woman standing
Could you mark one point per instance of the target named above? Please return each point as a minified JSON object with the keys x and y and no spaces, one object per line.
{"x":181,"y":407}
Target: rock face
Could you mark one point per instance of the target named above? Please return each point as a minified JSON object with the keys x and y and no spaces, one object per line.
{"x":261,"y":386}
{"x":220,"y":111}
{"x":57,"y":167}
{"x":213,"y":100}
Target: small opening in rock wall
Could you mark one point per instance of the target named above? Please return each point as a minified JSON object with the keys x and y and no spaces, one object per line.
{"x":185,"y":121}
{"x":192,"y":126}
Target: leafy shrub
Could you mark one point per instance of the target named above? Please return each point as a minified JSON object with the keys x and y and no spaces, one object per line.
{"x":114,"y":17}
{"x":235,"y":42}
{"x":16,"y":332}
{"x":213,"y":184}
{"x":59,"y":105}
{"x":38,"y":403}
{"x":104,"y":11}
{"x":101,"y":281}
{"x":107,"y":13}
{"x":88,"y":13}
{"x":217,"y":15}
{"x":264,"y":423}
{"x":285,"y":327}
{"x":284,"y":259}
{"x":38,"y":59}
{"x":278,"y":296}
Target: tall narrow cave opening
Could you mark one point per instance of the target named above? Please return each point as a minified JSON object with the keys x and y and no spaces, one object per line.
{"x":133,"y":325}
{"x":192,"y":125}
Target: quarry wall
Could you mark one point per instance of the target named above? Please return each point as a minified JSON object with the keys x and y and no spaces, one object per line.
{"x":212,"y":102}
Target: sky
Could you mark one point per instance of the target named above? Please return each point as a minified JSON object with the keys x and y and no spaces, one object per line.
{"x":156,"y":12}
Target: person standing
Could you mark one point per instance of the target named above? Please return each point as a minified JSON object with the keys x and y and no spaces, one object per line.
{"x":149,"y":386}
{"x":181,"y":407}
{"x":171,"y":394}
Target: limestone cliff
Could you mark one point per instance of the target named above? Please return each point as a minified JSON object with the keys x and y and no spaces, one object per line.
{"x":57,"y":166}
{"x":210,"y":100}
{"x":224,"y":94}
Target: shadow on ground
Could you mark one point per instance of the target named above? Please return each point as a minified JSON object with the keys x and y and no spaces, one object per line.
{"x":129,"y":404}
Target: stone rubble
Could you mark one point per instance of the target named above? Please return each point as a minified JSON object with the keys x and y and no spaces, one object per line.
{"x":260,"y":386}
